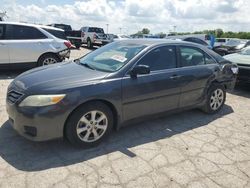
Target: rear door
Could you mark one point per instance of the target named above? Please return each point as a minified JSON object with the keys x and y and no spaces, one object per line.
{"x":156,"y":92}
{"x":4,"y":50}
{"x":198,"y":68}
{"x":26,"y":43}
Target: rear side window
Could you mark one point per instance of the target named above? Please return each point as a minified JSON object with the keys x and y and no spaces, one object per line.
{"x":209,"y":60}
{"x":96,"y":30}
{"x":191,"y":56}
{"x":160,"y":58}
{"x":18,"y":32}
{"x":56,"y":33}
{"x":2,"y":31}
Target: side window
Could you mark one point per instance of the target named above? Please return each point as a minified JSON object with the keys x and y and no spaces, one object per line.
{"x":83,"y":29}
{"x":1,"y":32}
{"x":18,"y":32}
{"x":160,"y":58}
{"x":191,"y":56}
{"x":209,"y":60}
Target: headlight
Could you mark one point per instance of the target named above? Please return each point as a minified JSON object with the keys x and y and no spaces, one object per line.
{"x":41,"y":100}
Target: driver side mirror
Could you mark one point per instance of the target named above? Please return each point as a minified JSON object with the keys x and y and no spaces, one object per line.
{"x":139,"y":69}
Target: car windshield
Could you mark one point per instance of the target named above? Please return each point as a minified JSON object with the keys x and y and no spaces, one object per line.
{"x":234,"y":42}
{"x":245,"y":51}
{"x":111,"y":57}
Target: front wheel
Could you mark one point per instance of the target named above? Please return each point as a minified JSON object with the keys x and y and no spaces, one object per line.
{"x":215,"y":99}
{"x":89,"y":124}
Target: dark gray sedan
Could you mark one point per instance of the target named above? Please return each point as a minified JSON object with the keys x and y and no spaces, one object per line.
{"x":85,"y":99}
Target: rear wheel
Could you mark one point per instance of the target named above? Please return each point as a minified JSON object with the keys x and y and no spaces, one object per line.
{"x":89,"y":124}
{"x":89,"y":43}
{"x":78,"y":45}
{"x":215,"y":99}
{"x":48,"y":59}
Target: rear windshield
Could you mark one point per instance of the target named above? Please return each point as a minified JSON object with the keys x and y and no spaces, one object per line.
{"x":56,"y":33}
{"x":96,"y":30}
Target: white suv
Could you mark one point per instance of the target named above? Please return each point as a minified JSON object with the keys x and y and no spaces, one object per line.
{"x":23,"y":45}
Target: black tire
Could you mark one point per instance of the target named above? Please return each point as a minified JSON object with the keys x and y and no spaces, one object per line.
{"x":43,"y":58}
{"x":78,"y":45}
{"x":74,"y":119}
{"x":89,"y":43}
{"x":208,"y":107}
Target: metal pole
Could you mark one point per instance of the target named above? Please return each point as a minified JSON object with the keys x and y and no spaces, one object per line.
{"x":107,"y":28}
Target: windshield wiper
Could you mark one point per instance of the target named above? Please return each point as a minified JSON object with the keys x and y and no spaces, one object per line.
{"x":87,"y":65}
{"x":84,"y":64}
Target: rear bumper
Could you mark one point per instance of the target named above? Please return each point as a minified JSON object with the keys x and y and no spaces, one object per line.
{"x":230,"y":84}
{"x":244,"y":74}
{"x":64,"y":54}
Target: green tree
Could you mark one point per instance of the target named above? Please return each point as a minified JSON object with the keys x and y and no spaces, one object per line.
{"x":145,"y":31}
{"x":161,"y":35}
{"x":219,"y":33}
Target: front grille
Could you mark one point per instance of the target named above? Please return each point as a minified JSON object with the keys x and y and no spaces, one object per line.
{"x":13,"y":96}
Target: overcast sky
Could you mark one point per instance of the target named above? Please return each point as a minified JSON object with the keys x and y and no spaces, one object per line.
{"x":133,"y":15}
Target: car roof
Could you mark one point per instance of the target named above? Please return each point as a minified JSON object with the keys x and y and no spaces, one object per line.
{"x":155,"y":42}
{"x":150,"y":43}
{"x":32,"y":25}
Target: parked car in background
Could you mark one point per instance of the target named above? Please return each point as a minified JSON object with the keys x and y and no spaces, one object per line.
{"x":190,"y":39}
{"x":242,"y":59}
{"x":231,"y":46}
{"x":74,"y":36}
{"x":93,"y":36}
{"x":26,"y":45}
{"x":114,"y":84}
{"x":220,"y":41}
{"x":120,"y":37}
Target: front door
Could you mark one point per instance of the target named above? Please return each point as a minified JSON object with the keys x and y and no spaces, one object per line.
{"x":156,"y":92}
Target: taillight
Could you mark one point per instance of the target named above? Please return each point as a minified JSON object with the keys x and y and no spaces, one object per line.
{"x":235,"y":69}
{"x":94,"y":36}
{"x":68,"y":44}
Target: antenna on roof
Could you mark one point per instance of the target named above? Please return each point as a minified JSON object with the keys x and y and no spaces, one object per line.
{"x":2,"y":15}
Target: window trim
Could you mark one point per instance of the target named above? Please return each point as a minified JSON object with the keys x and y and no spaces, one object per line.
{"x":151,"y":49}
{"x":196,"y":48}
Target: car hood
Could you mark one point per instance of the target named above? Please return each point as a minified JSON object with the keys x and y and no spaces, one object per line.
{"x":58,"y":76}
{"x":238,"y":58}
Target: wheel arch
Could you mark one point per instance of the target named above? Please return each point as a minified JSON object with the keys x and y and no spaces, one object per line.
{"x":47,"y":53}
{"x":106,"y":102}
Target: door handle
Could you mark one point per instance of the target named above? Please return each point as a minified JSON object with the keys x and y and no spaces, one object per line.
{"x":174,"y":77}
{"x":2,"y":44}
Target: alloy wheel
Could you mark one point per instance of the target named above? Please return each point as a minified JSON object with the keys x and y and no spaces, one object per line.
{"x":49,"y":61}
{"x":216,"y":99}
{"x":92,"y":126}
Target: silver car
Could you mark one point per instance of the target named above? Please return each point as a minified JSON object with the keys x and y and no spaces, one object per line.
{"x":26,"y":45}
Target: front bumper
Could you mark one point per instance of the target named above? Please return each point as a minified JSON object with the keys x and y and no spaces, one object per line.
{"x":37,"y":124}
